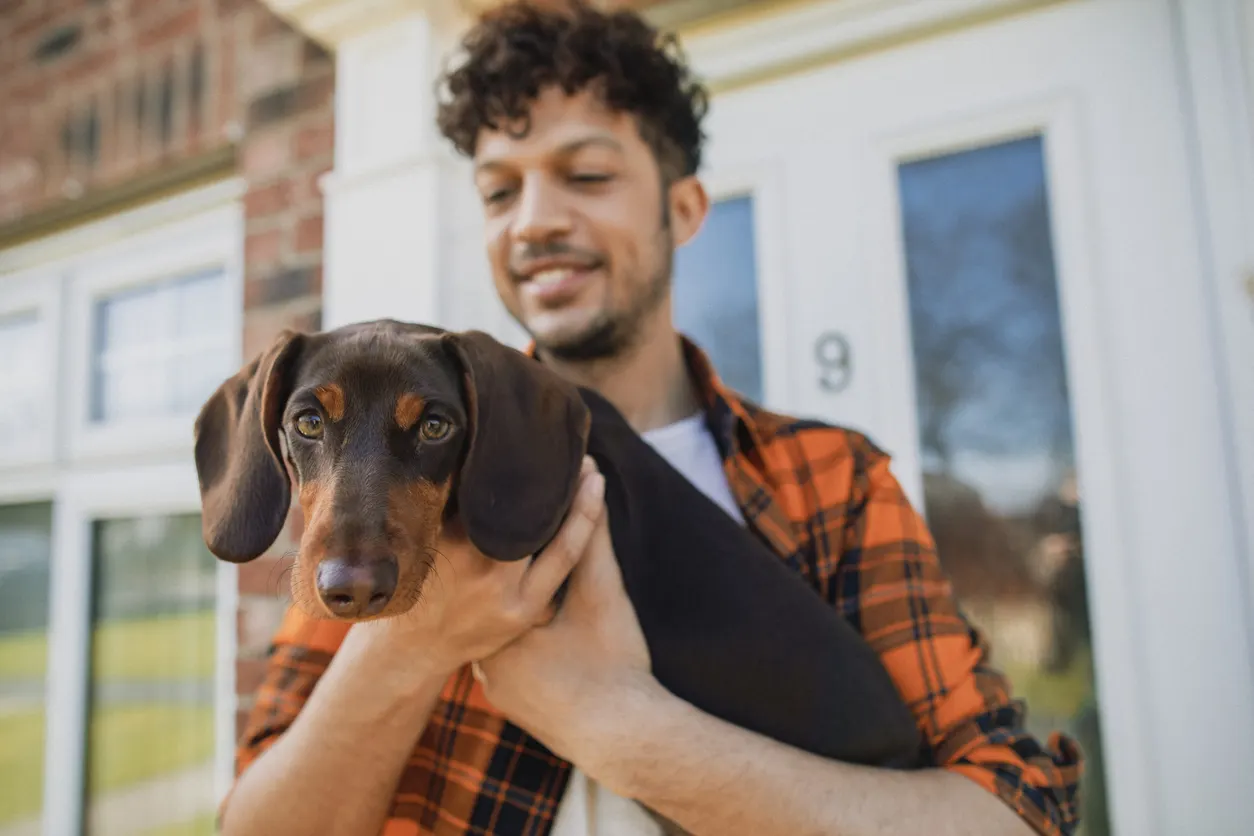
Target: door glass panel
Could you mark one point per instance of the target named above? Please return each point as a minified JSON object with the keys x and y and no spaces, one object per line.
{"x":716,"y":294}
{"x":25,"y":561}
{"x":995,"y":432}
{"x":150,"y":752}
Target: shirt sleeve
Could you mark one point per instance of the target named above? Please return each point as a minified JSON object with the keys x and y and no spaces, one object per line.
{"x":897,"y":591}
{"x":300,"y":653}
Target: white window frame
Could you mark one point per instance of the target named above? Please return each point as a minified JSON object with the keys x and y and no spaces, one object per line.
{"x":81,"y":499}
{"x":123,"y":470}
{"x":181,"y":248}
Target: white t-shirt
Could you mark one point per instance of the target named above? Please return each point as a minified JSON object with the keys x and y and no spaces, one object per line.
{"x":588,"y":809}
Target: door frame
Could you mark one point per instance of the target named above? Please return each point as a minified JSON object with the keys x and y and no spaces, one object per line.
{"x":751,"y":50}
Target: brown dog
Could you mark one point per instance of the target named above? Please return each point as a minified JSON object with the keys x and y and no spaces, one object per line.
{"x":391,"y":429}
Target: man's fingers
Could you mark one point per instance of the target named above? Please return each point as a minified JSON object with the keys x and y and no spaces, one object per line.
{"x":556,"y":560}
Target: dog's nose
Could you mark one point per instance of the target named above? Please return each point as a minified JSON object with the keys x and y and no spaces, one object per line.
{"x":353,"y":590}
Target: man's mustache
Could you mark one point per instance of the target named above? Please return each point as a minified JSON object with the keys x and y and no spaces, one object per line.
{"x":526,"y":254}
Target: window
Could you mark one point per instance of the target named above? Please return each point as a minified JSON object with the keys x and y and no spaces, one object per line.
{"x":160,"y":348}
{"x":716,"y":294}
{"x":995,"y":431}
{"x":151,"y":713}
{"x":112,"y":335}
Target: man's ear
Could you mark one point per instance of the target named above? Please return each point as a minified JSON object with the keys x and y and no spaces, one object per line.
{"x":689,"y":205}
{"x":244,"y":487}
{"x":528,"y":432}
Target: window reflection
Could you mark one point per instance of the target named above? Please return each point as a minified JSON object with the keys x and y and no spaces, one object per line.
{"x":150,"y":750}
{"x":160,"y":348}
{"x":995,"y":427}
{"x":25,"y":562}
{"x":716,"y":294}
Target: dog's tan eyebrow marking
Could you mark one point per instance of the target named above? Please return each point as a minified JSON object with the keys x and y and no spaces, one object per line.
{"x":408,"y":408}
{"x":331,"y":396}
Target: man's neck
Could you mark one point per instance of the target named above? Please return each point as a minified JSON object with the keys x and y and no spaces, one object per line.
{"x":649,"y":384}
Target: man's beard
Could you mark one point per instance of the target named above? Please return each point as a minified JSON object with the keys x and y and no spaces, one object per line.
{"x":614,"y":334}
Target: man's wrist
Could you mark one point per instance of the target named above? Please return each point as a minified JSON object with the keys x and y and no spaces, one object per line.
{"x":412,"y":671}
{"x":617,"y":735}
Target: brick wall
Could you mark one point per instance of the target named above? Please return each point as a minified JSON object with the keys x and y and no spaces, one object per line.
{"x":99,"y":95}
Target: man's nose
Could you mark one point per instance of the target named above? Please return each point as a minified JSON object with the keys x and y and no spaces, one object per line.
{"x":542,"y":213}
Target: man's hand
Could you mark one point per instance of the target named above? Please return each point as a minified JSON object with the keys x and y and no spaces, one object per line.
{"x":471,"y":605}
{"x":561,"y":680}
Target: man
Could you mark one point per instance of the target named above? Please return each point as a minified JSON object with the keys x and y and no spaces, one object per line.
{"x":585,"y":137}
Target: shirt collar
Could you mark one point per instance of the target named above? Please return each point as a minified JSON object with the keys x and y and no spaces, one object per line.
{"x":727,"y":414}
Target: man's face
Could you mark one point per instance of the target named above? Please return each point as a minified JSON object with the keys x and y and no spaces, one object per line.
{"x":580,"y":233}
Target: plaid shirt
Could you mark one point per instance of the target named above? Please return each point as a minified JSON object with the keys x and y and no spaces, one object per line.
{"x":824,"y":500}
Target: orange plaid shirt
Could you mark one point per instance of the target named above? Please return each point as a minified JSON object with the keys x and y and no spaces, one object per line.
{"x":824,"y":500}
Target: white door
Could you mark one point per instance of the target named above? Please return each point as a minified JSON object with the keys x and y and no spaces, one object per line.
{"x":981,"y":248}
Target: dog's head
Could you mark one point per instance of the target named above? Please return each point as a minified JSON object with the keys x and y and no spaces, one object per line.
{"x":389,"y":430}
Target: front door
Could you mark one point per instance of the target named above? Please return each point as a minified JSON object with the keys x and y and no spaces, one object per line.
{"x":980,"y":249}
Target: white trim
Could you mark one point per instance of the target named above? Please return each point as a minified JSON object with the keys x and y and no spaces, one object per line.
{"x":763,"y":184}
{"x":808,"y":32}
{"x":1119,"y":663}
{"x":51,"y":252}
{"x":1218,"y":93}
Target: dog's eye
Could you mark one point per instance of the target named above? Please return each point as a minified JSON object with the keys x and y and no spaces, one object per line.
{"x":309,"y":425}
{"x":434,"y":428}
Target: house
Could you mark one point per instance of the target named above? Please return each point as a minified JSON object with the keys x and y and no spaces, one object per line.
{"x":1011,"y":240}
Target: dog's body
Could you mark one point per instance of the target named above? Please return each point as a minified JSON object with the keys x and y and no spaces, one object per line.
{"x":392,"y":429}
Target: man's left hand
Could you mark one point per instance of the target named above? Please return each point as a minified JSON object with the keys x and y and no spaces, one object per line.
{"x":570,"y":682}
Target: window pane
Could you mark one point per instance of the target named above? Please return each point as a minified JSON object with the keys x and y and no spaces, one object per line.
{"x":25,"y":560}
{"x":716,"y":294}
{"x":151,"y":708}
{"x":161,"y":348}
{"x":995,"y":426}
{"x":22,"y":379}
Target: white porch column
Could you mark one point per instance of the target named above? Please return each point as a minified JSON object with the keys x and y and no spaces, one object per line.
{"x":384,"y":227}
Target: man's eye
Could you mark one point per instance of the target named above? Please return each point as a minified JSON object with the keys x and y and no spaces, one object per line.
{"x":496,"y":195}
{"x":589,"y":177}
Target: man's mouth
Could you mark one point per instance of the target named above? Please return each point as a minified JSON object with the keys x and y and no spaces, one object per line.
{"x":552,"y":277}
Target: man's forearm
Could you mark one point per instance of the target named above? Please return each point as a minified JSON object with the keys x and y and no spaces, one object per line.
{"x":711,"y":777}
{"x":335,"y":770}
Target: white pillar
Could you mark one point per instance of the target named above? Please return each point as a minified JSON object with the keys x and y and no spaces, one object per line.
{"x":385,"y":225}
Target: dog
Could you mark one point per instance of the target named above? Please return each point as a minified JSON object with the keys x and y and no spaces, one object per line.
{"x":391,"y":429}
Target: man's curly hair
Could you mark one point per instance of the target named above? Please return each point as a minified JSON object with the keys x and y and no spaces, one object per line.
{"x":519,"y":49}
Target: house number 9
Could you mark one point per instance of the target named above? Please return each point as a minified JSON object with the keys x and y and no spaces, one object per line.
{"x":835,"y":361}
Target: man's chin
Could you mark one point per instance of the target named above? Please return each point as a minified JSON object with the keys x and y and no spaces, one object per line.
{"x":599,"y":341}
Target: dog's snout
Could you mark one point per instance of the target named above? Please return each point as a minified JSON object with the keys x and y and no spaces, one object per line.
{"x":356,"y":589}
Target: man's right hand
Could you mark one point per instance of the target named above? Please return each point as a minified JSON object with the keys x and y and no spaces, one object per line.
{"x":470,"y":605}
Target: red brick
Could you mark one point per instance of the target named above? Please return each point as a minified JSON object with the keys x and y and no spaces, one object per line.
{"x":241,"y":720}
{"x":180,"y":25}
{"x":268,"y":200}
{"x":315,"y":141}
{"x":309,"y":234}
{"x":263,"y":248}
{"x":267,"y":155}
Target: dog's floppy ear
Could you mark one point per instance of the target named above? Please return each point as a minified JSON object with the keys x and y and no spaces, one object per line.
{"x":528,"y":432}
{"x":244,"y":488}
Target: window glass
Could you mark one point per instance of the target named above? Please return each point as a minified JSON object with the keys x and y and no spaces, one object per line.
{"x":150,"y":747}
{"x":994,"y":417}
{"x":716,"y":294}
{"x":25,"y":561}
{"x":160,"y":349}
